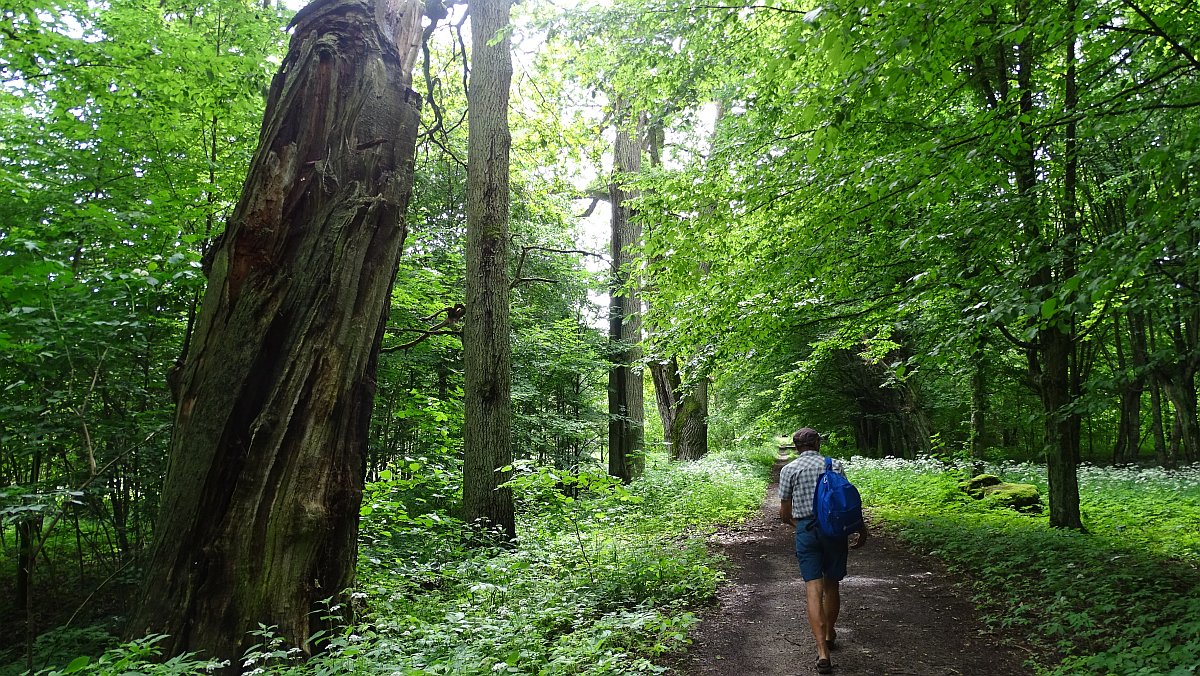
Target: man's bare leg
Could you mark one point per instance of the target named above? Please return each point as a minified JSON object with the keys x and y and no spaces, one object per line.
{"x":831,"y":605}
{"x":814,"y":591}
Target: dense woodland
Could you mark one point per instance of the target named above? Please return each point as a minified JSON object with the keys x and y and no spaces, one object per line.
{"x":352,"y":339}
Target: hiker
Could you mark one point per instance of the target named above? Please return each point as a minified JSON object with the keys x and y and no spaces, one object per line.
{"x":822,"y":559}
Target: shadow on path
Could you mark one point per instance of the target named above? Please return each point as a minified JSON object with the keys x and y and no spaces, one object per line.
{"x":899,"y":615}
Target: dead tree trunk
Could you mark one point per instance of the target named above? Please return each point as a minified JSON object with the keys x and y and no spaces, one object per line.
{"x":259,"y":511}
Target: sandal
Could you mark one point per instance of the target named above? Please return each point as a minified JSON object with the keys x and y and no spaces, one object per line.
{"x":824,"y":666}
{"x":832,"y":641}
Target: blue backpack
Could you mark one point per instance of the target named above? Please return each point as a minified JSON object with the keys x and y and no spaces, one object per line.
{"x":836,"y":504}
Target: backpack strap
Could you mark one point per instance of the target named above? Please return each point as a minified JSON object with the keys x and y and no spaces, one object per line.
{"x":828,"y":464}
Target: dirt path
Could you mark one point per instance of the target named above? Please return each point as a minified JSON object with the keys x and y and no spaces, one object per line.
{"x":900,"y":616}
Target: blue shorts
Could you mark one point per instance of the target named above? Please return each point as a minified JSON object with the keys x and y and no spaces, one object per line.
{"x":820,"y":556}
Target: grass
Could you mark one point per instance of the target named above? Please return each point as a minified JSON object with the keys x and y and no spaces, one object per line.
{"x":1121,"y":599}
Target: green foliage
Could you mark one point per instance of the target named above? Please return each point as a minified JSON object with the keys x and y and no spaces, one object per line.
{"x":712,"y":490}
{"x":125,"y":132}
{"x":598,"y":582}
{"x":142,"y":656}
{"x":1120,"y":600}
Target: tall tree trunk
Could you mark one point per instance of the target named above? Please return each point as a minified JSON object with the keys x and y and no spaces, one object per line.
{"x":487,"y":353}
{"x":1051,"y":357}
{"x":625,"y":398}
{"x":1157,"y":426}
{"x":666,"y":393}
{"x":1181,"y":391}
{"x":689,"y":435}
{"x":259,"y":511}
{"x":1178,"y":381}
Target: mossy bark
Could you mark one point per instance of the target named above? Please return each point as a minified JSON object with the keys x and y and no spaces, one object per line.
{"x":683,"y":410}
{"x":259,"y":513}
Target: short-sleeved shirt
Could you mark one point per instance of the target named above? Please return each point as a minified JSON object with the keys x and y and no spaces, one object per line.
{"x":798,"y":482}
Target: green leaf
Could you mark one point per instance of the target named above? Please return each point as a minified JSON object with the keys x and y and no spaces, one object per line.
{"x":1049,"y":307}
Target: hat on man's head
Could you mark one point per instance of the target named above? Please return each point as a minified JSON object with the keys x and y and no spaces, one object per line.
{"x":806,"y":437}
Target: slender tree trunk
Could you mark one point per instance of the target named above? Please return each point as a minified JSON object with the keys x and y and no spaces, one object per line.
{"x":259,"y":511}
{"x":487,"y":360}
{"x":1051,"y":357}
{"x":979,"y":399}
{"x":1129,"y":426}
{"x":1179,"y":382}
{"x":27,"y":530}
{"x":625,"y":398}
{"x":666,"y":392}
{"x":1181,"y":392}
{"x":1157,"y":427}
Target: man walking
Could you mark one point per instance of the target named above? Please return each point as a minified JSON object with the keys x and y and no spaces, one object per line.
{"x":822,"y":559}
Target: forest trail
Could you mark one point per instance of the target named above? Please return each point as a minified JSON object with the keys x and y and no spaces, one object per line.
{"x":900,"y":614}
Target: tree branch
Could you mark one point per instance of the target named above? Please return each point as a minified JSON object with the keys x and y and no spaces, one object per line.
{"x":1175,"y":44}
{"x":419,"y":339}
{"x":591,"y":207}
{"x":1023,"y":344}
{"x":454,"y":314}
{"x":517,"y":279}
{"x":529,"y":280}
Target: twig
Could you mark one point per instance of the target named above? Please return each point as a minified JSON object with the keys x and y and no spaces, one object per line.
{"x":453,"y":313}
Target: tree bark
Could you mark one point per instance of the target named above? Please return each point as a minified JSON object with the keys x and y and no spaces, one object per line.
{"x":259,"y":513}
{"x":979,"y":400}
{"x":1157,"y":428}
{"x":682,"y":409}
{"x":1178,"y":380}
{"x":1051,"y":357}
{"x":625,"y":398}
{"x":1129,"y":425}
{"x":487,"y":360}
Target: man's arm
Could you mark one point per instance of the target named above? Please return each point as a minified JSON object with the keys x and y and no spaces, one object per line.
{"x":785,"y":512}
{"x":863,"y":533}
{"x":861,"y":540}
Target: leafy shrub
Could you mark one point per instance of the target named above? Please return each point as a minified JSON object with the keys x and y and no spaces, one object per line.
{"x":710,"y":491}
{"x":599,"y":582}
{"x":142,"y":657}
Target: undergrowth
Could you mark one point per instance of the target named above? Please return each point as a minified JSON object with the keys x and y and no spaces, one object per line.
{"x":1122,"y":599}
{"x":602,"y":578}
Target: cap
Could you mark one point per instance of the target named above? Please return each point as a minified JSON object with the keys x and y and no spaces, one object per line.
{"x":806,"y":437}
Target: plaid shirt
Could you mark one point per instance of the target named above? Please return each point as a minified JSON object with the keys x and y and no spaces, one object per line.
{"x":798,"y":482}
